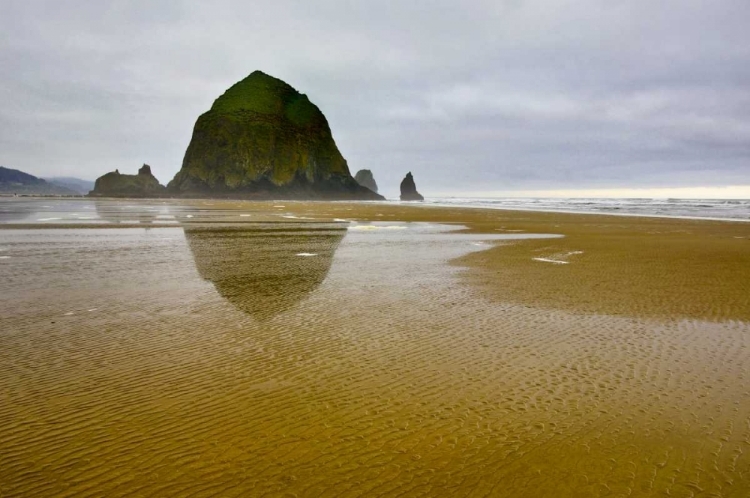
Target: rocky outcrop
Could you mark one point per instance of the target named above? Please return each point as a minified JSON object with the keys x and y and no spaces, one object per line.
{"x":115,"y":184}
{"x":264,"y":139}
{"x":364,"y":177}
{"x":409,"y":189}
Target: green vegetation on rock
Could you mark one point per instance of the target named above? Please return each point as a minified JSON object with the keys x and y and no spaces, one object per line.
{"x":115,"y":184}
{"x":264,"y":138}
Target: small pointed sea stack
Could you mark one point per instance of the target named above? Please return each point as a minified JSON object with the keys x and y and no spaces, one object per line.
{"x":409,"y":189}
{"x":364,"y":177}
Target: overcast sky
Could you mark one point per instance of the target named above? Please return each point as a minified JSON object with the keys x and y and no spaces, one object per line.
{"x":471,"y":96}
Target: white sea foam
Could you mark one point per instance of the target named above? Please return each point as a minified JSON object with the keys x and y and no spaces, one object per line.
{"x":48,"y":219}
{"x":306,"y":254}
{"x":721,"y":209}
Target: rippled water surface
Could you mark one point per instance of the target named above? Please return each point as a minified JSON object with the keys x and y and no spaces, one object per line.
{"x":719,"y":209}
{"x":266,"y":355}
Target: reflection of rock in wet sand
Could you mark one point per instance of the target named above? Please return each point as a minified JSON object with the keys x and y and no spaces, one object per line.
{"x":264,"y":271}
{"x":119,"y":213}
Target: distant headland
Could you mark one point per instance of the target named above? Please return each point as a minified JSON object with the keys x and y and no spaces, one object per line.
{"x":15,"y":182}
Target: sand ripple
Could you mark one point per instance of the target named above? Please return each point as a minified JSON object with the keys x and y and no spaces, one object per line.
{"x":388,"y":376}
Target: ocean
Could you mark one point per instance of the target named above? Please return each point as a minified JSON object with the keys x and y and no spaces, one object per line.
{"x":717,"y":209}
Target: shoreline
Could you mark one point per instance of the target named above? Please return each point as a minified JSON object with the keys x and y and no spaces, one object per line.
{"x":636,"y":215}
{"x":386,"y":202}
{"x":654,"y":267}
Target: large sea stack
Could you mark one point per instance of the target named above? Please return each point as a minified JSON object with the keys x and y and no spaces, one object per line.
{"x":115,"y":184}
{"x":409,"y":189}
{"x":264,"y":139}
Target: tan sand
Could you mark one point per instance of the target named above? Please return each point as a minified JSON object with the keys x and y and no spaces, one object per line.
{"x":137,"y":362}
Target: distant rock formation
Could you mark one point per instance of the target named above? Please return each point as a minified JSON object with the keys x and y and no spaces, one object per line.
{"x":264,"y":139}
{"x":409,"y":189}
{"x":115,"y":184}
{"x":364,"y":177}
{"x":13,"y":181}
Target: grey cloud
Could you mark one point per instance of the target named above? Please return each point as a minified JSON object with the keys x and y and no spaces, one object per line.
{"x":516,"y":94}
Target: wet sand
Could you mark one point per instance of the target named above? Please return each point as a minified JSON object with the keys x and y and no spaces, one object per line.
{"x":278,"y":349}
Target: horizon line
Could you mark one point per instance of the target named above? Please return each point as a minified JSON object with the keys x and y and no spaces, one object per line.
{"x":724,"y":192}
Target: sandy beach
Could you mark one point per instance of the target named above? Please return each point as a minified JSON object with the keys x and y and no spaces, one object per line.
{"x":228,"y":348}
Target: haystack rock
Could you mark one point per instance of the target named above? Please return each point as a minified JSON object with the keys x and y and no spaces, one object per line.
{"x":364,"y":177}
{"x":115,"y":184}
{"x":409,"y":189}
{"x":264,"y":139}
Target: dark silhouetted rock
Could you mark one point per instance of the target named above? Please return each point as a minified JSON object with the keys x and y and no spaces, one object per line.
{"x":364,"y":177}
{"x":264,"y":139}
{"x":115,"y":184}
{"x":409,"y":189}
